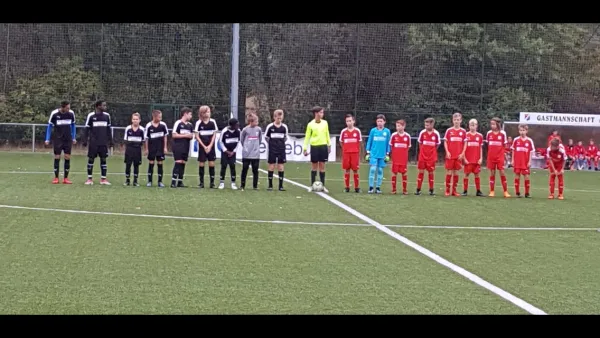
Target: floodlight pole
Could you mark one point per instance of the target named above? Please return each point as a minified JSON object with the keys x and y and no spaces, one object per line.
{"x":235,"y":71}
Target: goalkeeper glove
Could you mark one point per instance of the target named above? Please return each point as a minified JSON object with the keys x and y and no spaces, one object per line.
{"x":367,"y":157}
{"x":387,"y":158}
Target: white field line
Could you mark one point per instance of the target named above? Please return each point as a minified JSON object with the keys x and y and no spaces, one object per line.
{"x":143,"y":175}
{"x":435,"y":257}
{"x":236,"y":220}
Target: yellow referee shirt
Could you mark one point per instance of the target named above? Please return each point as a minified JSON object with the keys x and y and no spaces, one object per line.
{"x":317,"y":134}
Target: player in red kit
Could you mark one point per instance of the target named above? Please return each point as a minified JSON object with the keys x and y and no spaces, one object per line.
{"x":579,"y":151}
{"x":400,"y":145}
{"x":523,"y":148}
{"x":350,"y":139}
{"x":570,"y":151}
{"x":553,"y":135}
{"x":592,"y":155}
{"x":429,"y":141}
{"x":556,"y":163}
{"x":496,"y":140}
{"x":473,"y":154}
{"x":454,"y":144}
{"x":508,"y":151}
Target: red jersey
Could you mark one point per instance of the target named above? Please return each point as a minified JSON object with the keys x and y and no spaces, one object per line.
{"x":350,"y":140}
{"x":474,"y":143}
{"x":579,"y":150}
{"x":557,"y":156}
{"x":400,"y":143}
{"x":592,"y":151}
{"x":496,"y":143}
{"x":455,"y":138}
{"x":522,"y":150}
{"x":428,"y":144}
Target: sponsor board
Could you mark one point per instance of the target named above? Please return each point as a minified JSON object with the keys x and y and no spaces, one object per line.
{"x":577,"y":120}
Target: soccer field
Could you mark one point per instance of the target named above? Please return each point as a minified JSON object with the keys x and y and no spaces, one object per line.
{"x":123,"y":250}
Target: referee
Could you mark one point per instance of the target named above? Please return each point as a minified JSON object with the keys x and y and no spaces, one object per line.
{"x":317,"y":135}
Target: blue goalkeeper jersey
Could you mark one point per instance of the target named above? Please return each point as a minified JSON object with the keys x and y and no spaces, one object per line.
{"x":378,"y":144}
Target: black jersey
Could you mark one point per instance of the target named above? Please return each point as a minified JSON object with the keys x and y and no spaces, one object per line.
{"x":63,"y":124}
{"x":134,"y":138}
{"x":229,"y":139}
{"x":276,"y":137}
{"x":156,"y":135}
{"x":206,"y":130}
{"x":98,"y":129}
{"x":182,"y":128}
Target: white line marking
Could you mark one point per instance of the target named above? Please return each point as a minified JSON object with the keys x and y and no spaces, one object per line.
{"x":212,"y":219}
{"x":461,"y":271}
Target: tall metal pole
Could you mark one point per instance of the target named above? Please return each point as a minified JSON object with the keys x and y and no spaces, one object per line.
{"x":235,"y":70}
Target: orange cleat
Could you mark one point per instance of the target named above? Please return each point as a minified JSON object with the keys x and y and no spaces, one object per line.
{"x":561,"y":197}
{"x":492,"y":194}
{"x":55,"y":180}
{"x":67,"y":181}
{"x":506,"y":194}
{"x":550,"y":197}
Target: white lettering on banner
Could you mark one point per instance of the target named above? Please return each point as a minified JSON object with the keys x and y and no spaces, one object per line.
{"x":579,"y":120}
{"x":293,"y":150}
{"x":157,"y":135}
{"x":63,"y":122}
{"x":100,"y":124}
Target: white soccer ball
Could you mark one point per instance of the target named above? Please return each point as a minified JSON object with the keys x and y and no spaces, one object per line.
{"x":317,"y":186}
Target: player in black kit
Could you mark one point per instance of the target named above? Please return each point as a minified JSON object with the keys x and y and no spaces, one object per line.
{"x":134,"y":137}
{"x":156,"y":146}
{"x":229,"y":139}
{"x":98,"y":132}
{"x":63,"y":122}
{"x":276,"y":135}
{"x":183,"y":133}
{"x":206,"y":131}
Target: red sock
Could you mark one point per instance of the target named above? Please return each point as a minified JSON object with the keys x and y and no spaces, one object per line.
{"x":492,"y":182}
{"x":478,"y":183}
{"x":561,"y":184}
{"x":504,"y":185}
{"x":466,"y":183}
{"x":517,"y":185}
{"x":420,"y":180}
{"x":454,"y":183}
{"x":552,"y":181}
{"x":430,"y":176}
{"x":527,"y":186}
{"x":347,"y":179}
{"x":448,"y":180}
{"x":404,"y":182}
{"x":394,"y":180}
{"x":356,"y":181}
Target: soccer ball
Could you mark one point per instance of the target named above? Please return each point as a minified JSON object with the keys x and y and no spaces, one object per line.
{"x":317,"y":186}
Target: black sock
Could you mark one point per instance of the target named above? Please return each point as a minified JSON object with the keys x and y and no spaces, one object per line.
{"x":175,"y":176}
{"x":127,"y":171}
{"x":232,"y":171}
{"x":56,"y":166}
{"x":313,"y":176}
{"x":160,"y":172}
{"x":181,"y":171}
{"x":103,"y":168}
{"x":280,"y":174}
{"x":255,"y":174}
{"x":211,"y":173}
{"x":67,"y":168}
{"x":223,"y":171}
{"x":90,"y":167}
{"x":245,"y":165}
{"x":136,"y":172}
{"x":322,"y":177}
{"x":270,"y":179}
{"x":201,"y":174}
{"x":150,"y":172}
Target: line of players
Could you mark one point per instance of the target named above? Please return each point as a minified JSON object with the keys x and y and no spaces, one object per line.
{"x":462,"y":148}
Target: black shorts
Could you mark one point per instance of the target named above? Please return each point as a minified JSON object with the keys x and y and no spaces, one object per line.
{"x":276,"y":157}
{"x":228,"y":160}
{"x":319,"y":154}
{"x":97,"y":151}
{"x":203,"y":156}
{"x":61,"y":146}
{"x":133,"y":155}
{"x":156,"y":155}
{"x":180,"y":155}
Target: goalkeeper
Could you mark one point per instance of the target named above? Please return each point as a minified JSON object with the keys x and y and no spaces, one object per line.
{"x":378,"y":152}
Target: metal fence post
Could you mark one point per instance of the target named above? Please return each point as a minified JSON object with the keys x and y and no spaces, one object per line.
{"x":33,"y":138}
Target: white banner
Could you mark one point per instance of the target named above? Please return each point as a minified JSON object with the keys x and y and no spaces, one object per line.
{"x":577,"y":120}
{"x":293,"y":150}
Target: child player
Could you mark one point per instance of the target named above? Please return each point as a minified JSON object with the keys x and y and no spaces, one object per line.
{"x":473,"y":154}
{"x":496,"y":140}
{"x":579,"y":152}
{"x":508,"y":151}
{"x":134,"y":137}
{"x":454,"y":144}
{"x":183,"y":133}
{"x":592,"y":155}
{"x":522,"y":148}
{"x":570,"y":151}
{"x":205,"y":130}
{"x":429,"y":140}
{"x":156,"y":146}
{"x":229,"y":139}
{"x":276,"y":134}
{"x":556,"y":163}
{"x":250,"y":139}
{"x":400,"y":145}
{"x":63,"y":122}
{"x":350,"y":139}
{"x":378,"y":152}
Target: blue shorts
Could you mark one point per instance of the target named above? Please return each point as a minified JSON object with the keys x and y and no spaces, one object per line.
{"x":379,"y":162}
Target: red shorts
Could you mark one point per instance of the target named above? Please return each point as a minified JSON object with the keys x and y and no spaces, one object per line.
{"x":558,"y":166}
{"x":521,"y":171}
{"x":472,"y":168}
{"x":495,"y":163}
{"x":399,"y":168}
{"x":453,"y":164}
{"x":426,"y":165}
{"x":350,"y":161}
